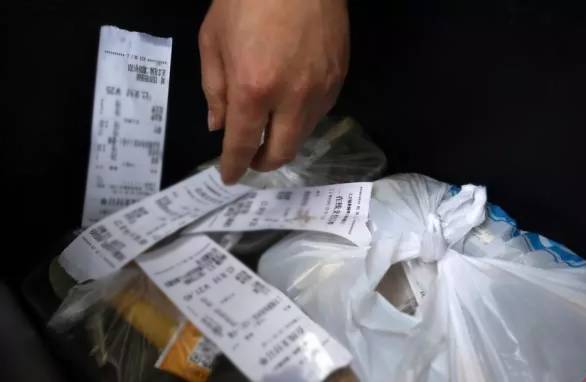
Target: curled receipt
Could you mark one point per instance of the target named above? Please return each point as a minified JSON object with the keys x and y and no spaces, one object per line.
{"x":128,"y":123}
{"x":117,"y":239}
{"x":263,"y":332}
{"x":340,"y":209}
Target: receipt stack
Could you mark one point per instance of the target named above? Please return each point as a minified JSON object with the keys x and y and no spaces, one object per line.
{"x":138,"y":330}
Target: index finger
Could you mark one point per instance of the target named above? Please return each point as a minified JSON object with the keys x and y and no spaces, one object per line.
{"x":246,"y":118}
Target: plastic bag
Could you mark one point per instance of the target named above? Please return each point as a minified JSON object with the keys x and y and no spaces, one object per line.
{"x":499,"y":305}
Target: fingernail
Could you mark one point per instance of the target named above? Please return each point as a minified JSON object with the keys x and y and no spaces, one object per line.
{"x":228,"y":181}
{"x":228,"y":178}
{"x":231,"y":174}
{"x":212,"y":126}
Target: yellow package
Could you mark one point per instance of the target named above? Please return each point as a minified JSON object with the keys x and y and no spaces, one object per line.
{"x":189,"y":354}
{"x":185,"y":352}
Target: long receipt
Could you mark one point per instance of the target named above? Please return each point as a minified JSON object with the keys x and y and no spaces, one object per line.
{"x":107,"y":246}
{"x":255,"y":325}
{"x":340,"y":209}
{"x":117,"y":239}
{"x":128,"y":123}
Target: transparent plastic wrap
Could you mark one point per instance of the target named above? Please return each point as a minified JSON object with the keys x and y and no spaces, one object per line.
{"x":134,"y":330}
{"x":338,"y":151}
{"x":478,"y":299}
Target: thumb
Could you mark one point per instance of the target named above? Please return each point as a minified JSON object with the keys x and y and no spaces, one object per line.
{"x":213,"y":80}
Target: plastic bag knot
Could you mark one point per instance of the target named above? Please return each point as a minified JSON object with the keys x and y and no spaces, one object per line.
{"x":451,"y":221}
{"x":433,"y":242}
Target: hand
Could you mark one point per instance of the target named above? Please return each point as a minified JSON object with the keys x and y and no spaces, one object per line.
{"x":270,"y":65}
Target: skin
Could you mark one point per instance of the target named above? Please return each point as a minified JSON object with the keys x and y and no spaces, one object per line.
{"x":270,"y":65}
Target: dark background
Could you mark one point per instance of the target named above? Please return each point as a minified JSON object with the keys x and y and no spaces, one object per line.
{"x":486,"y":91}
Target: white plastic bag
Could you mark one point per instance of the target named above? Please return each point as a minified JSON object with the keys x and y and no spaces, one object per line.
{"x":506,"y":305}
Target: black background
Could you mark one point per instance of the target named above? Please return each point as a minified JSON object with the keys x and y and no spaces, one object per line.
{"x":487,"y":91}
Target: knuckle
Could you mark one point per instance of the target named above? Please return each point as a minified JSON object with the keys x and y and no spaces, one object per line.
{"x":243,"y":136}
{"x":247,"y":136}
{"x":214,"y":92}
{"x":241,"y":150}
{"x":280,"y":158}
{"x":255,"y":89}
{"x":340,"y":71}
{"x":205,"y":38}
{"x":256,"y":83}
{"x":303,"y":84}
{"x":334,"y":78}
{"x":337,"y":70}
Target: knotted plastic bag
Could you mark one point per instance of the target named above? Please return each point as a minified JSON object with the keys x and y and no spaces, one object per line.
{"x":486,"y":312}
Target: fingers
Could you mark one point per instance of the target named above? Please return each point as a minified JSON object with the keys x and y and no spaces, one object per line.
{"x":280,"y":145}
{"x":292,"y":122}
{"x":283,"y":137}
{"x":213,"y":80}
{"x":286,"y":130}
{"x":246,"y":118}
{"x":290,"y":81}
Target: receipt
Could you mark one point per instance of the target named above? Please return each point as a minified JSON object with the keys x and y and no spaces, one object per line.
{"x":128,"y":124}
{"x":265,"y":334}
{"x":117,"y":239}
{"x":340,"y":209}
